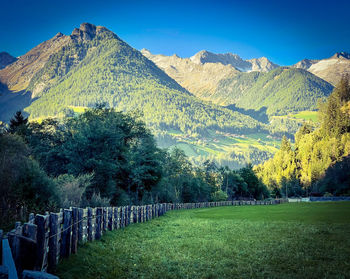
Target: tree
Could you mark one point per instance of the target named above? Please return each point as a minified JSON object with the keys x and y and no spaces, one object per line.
{"x":334,"y":120}
{"x":256,"y":188}
{"x":24,"y":186}
{"x":285,"y":145}
{"x":18,"y":124}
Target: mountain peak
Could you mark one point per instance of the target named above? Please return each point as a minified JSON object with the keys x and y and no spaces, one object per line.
{"x":205,"y":56}
{"x":145,"y":51}
{"x":58,"y":35}
{"x":341,"y":55}
{"x":305,"y":64}
{"x":88,"y":28}
{"x":6,"y":59}
{"x":87,"y":31}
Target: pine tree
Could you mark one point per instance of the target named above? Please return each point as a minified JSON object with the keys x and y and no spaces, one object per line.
{"x":18,"y":124}
{"x":285,"y":145}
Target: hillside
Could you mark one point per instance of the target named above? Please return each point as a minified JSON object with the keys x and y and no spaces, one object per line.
{"x":18,"y":75}
{"x":6,"y":59}
{"x":281,"y":91}
{"x":227,"y":79}
{"x":330,"y":69}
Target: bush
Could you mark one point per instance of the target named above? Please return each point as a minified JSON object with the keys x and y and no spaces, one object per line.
{"x":219,"y":196}
{"x":71,"y":189}
{"x":97,"y":201}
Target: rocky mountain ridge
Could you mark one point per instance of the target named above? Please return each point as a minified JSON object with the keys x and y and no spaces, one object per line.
{"x":257,"y":64}
{"x":6,"y":59}
{"x":330,"y":69}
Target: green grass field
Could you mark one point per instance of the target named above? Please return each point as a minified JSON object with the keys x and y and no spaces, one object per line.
{"x":307,"y":115}
{"x":307,"y":240}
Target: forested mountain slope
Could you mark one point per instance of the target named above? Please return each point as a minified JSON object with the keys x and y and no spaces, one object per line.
{"x":319,"y":160}
{"x":93,"y":65}
{"x":282,"y":91}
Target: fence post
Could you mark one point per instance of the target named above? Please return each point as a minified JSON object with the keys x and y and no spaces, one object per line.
{"x":99,"y":222}
{"x":132,"y":218}
{"x":91,"y":223}
{"x":74,"y":246}
{"x":42,"y":240}
{"x":116,"y":218}
{"x":147,"y":213}
{"x":139,"y":214}
{"x":110,"y":218}
{"x":31,"y":218}
{"x":122,"y":217}
{"x":1,"y":234}
{"x":134,"y":212}
{"x":66,"y":233}
{"x":14,"y":242}
{"x":54,"y":240}
{"x":104,"y":220}
{"x":8,"y":262}
{"x":82,"y":225}
{"x":128,"y":215}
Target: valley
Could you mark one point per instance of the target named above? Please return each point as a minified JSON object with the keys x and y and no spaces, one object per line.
{"x":213,"y":106}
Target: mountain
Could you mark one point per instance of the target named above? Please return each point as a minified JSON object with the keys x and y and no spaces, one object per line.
{"x":258,"y":64}
{"x":197,"y":78}
{"x":202,"y":73}
{"x":330,"y":69}
{"x":305,"y":64}
{"x":18,"y":75}
{"x":281,"y":91}
{"x":6,"y":59}
{"x":220,"y":79}
{"x":93,"y":65}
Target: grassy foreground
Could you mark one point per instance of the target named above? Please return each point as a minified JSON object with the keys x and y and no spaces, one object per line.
{"x":307,"y":240}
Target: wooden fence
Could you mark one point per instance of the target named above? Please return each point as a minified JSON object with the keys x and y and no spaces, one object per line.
{"x":40,"y":243}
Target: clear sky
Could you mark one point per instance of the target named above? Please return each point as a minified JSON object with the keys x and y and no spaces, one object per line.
{"x":284,"y":31}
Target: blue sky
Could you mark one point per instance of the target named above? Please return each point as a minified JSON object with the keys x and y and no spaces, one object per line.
{"x":284,"y":31}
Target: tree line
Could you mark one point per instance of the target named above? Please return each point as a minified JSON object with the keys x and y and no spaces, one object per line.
{"x":105,"y":157}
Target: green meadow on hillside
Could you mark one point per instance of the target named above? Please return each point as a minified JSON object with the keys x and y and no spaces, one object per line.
{"x":307,"y":115}
{"x":227,"y":148}
{"x":305,"y":240}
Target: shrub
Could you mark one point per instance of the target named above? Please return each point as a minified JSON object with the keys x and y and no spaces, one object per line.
{"x":219,"y":196}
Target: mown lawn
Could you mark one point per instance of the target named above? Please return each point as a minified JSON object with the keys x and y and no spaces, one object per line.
{"x":307,"y":240}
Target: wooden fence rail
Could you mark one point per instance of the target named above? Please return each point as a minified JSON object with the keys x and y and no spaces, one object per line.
{"x":40,"y":243}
